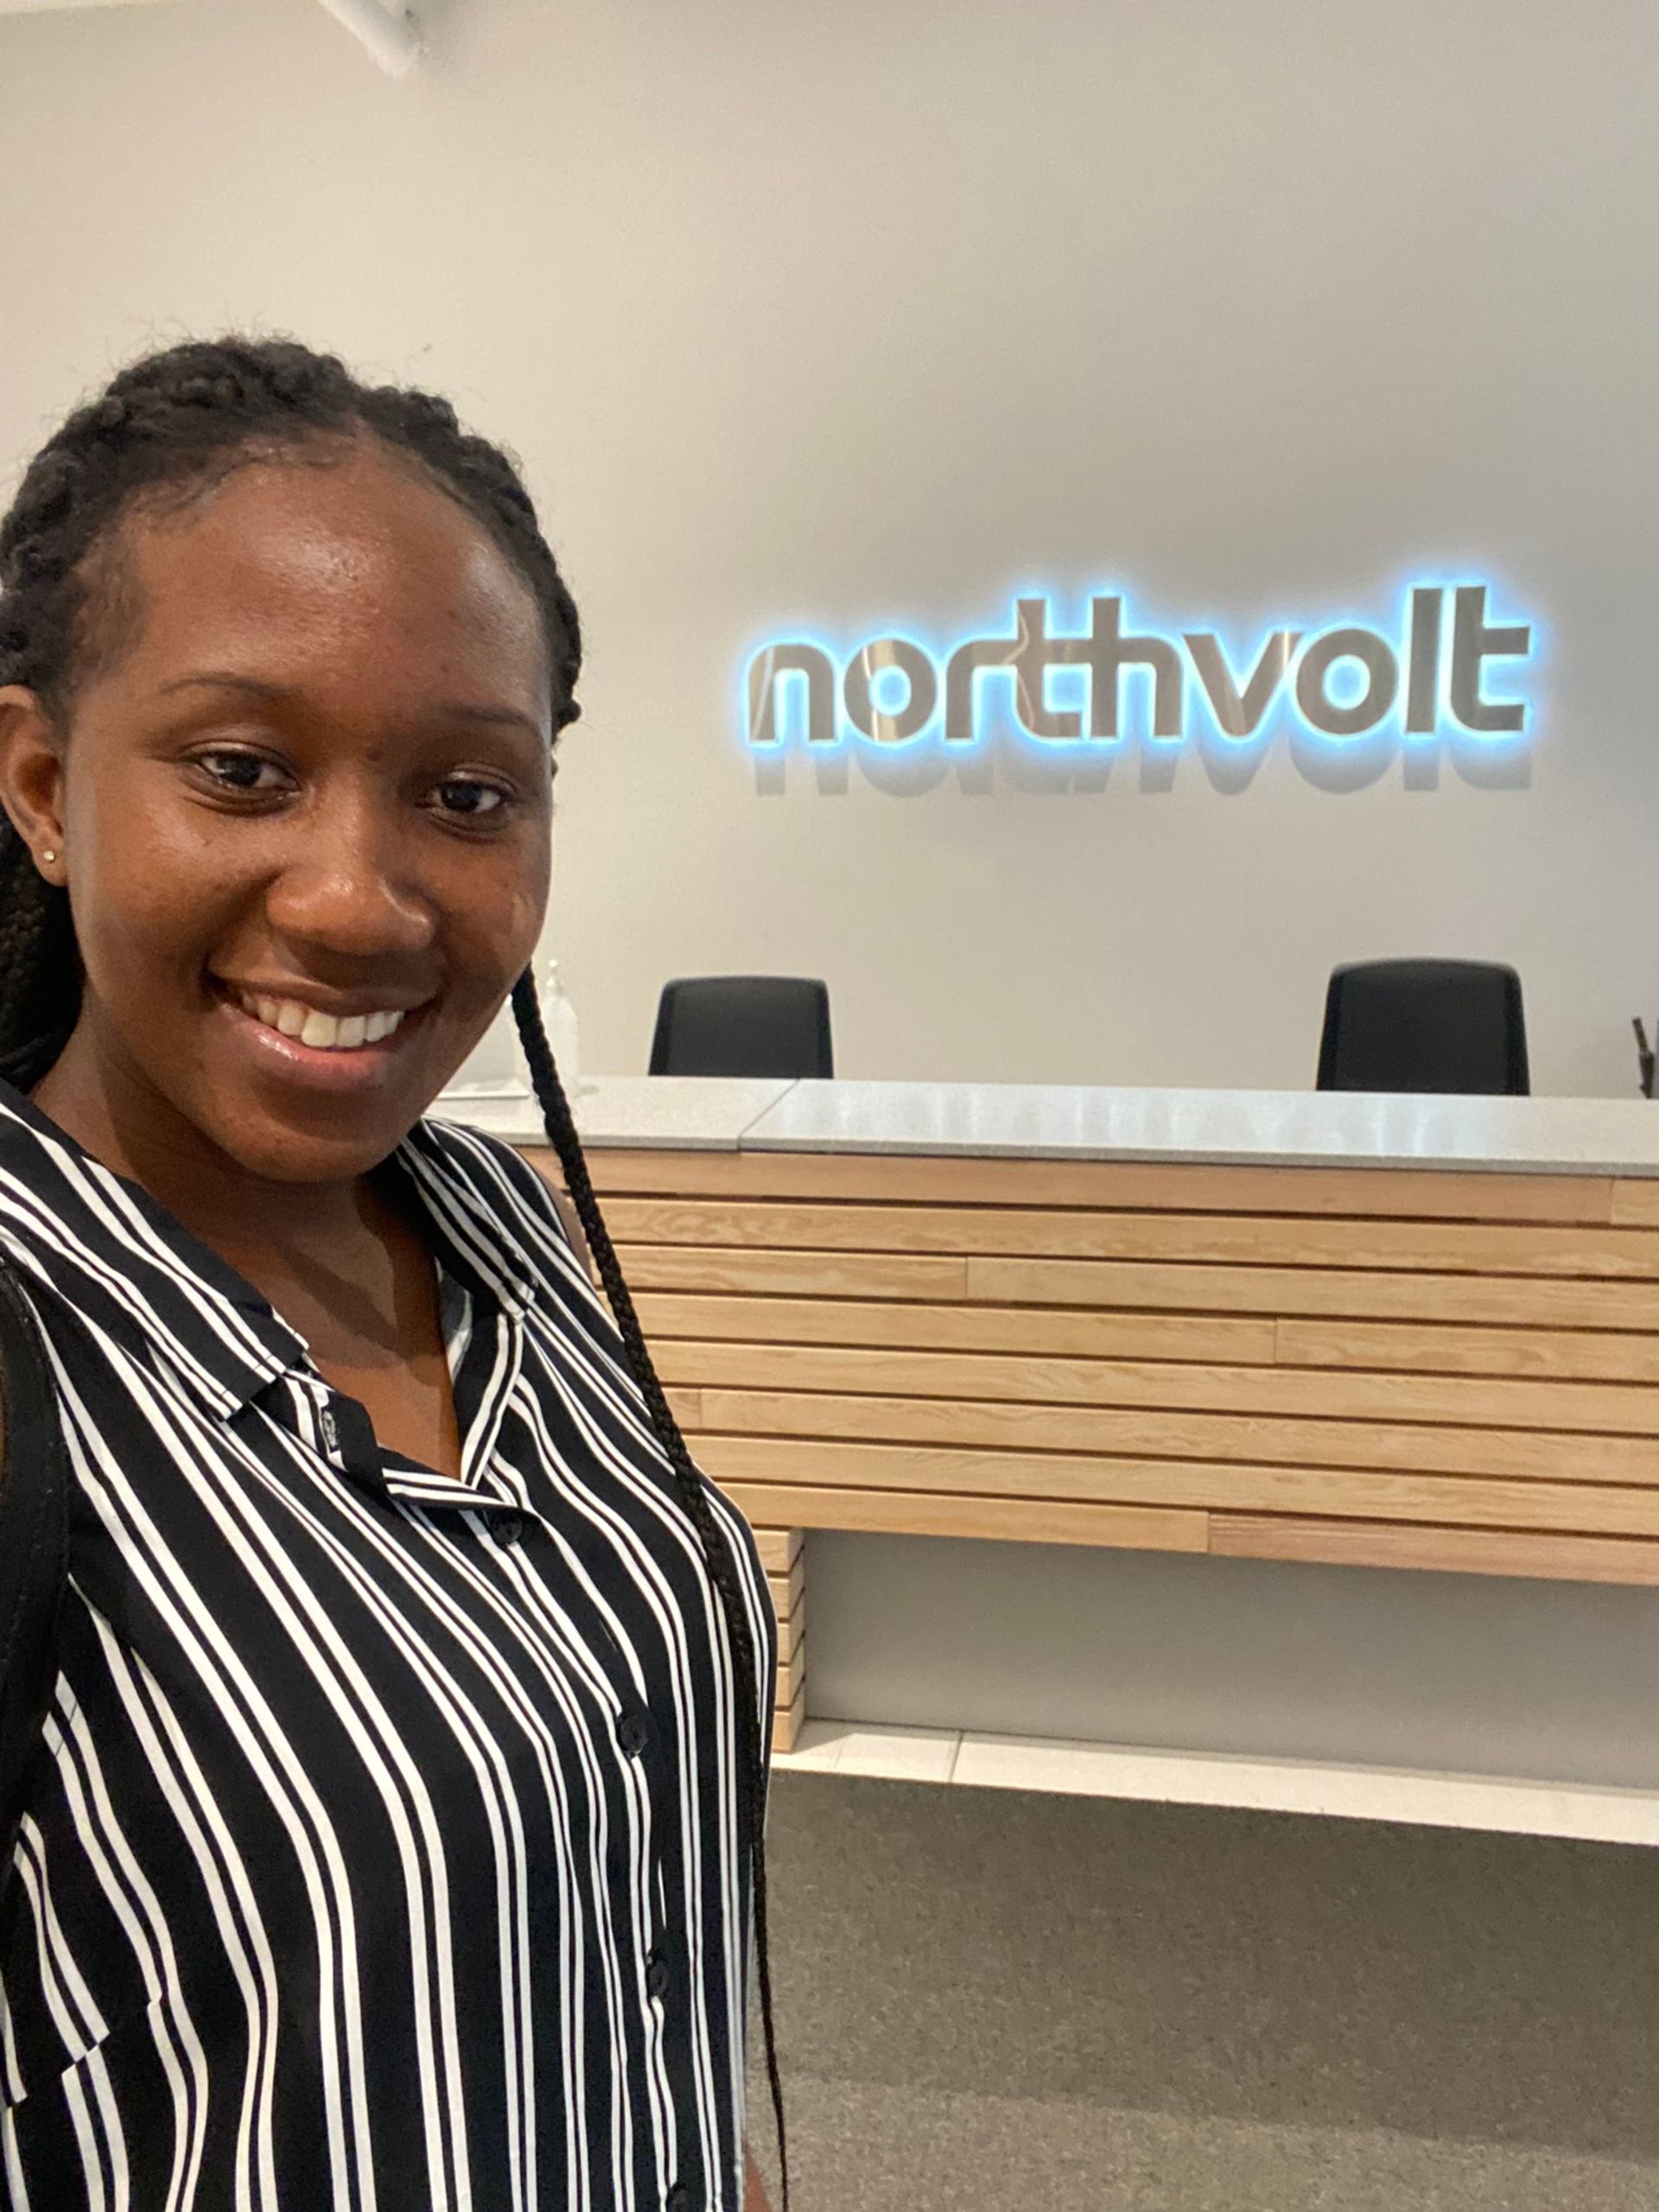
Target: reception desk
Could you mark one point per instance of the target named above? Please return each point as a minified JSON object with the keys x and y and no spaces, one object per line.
{"x":1399,"y":1331}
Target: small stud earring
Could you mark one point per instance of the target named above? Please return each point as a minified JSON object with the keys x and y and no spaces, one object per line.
{"x":48,"y":854}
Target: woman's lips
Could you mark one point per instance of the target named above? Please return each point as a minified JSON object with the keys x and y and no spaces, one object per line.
{"x":344,"y":1059}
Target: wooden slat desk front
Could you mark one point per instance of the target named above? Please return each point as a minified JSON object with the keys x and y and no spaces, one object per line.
{"x":1400,"y":1367}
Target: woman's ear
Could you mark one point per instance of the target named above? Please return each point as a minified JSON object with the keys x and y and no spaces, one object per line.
{"x":31,"y":779}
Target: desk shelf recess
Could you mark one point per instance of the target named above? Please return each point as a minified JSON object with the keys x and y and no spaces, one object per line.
{"x":1407,"y":1368}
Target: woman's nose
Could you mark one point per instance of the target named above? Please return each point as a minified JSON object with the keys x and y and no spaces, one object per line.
{"x":344,"y":891}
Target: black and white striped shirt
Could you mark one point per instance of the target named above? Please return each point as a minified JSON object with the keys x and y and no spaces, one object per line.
{"x":382,"y":1850}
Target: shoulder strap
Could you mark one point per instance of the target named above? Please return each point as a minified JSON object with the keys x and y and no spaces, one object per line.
{"x":33,"y":1549}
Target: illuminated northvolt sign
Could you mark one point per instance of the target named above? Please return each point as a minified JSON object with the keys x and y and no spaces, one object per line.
{"x":1444,"y":667}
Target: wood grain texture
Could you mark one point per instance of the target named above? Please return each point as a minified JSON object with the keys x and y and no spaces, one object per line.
{"x":1322,"y":1292}
{"x":1112,"y":1431}
{"x":1345,"y":1394}
{"x":780,"y":1548}
{"x":1116,"y":1185}
{"x":1635,"y":1204}
{"x":788,"y":1590}
{"x":812,"y":1274}
{"x":1007,"y":1520}
{"x":1459,"y":1247}
{"x":791,"y":1674}
{"x":1453,"y":1551}
{"x":958,"y":1328}
{"x":1454,"y":1371}
{"x":1567,"y":1355}
{"x":785,"y":1465}
{"x":791,"y":1629}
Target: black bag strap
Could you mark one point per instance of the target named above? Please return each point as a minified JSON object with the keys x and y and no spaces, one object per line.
{"x":33,"y":1550}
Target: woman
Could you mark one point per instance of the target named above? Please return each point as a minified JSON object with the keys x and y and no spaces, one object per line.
{"x":394,"y":1832}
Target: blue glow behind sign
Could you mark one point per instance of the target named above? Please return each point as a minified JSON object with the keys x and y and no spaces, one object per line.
{"x":1431,"y":674}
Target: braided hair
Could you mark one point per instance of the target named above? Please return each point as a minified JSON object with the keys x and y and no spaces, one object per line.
{"x":165,"y":430}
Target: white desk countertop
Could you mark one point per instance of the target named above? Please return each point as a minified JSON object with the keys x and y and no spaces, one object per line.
{"x":675,"y":1113}
{"x":1574,"y":1136}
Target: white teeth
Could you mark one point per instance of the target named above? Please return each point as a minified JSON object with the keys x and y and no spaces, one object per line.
{"x":325,"y":1033}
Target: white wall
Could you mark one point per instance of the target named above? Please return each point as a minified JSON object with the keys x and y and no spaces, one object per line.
{"x":1465,"y":1673}
{"x":874,"y":311}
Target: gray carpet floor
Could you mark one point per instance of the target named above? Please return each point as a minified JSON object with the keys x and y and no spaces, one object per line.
{"x":991,"y":1999}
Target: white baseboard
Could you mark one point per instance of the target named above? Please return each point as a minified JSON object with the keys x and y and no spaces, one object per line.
{"x":1363,"y":1792}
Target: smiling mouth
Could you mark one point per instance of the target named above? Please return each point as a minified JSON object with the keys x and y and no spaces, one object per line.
{"x":310,"y":1025}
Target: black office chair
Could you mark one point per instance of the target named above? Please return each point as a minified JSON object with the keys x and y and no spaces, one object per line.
{"x":743,"y":1025}
{"x":1452,"y":1025}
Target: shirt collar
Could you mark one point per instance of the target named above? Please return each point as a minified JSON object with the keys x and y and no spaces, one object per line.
{"x":465,"y":1228}
{"x":108,"y":1249}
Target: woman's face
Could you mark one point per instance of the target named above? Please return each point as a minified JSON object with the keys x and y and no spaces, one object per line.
{"x":302,"y":811}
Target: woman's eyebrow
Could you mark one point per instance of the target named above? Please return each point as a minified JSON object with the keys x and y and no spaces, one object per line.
{"x":453,"y":710}
{"x":223,"y":680}
{"x":465,"y":710}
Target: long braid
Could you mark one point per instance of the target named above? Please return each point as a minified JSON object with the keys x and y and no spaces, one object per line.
{"x":40,"y":967}
{"x":560,"y":1128}
{"x":167,"y":430}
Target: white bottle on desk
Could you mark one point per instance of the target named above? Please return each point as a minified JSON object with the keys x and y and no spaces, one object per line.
{"x":559,"y":1020}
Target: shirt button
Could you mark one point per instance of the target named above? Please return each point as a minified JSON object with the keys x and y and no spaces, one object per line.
{"x":632,"y":1733}
{"x":506,"y":1527}
{"x":657,"y":1974}
{"x":679,"y":2198}
{"x":330,"y":1429}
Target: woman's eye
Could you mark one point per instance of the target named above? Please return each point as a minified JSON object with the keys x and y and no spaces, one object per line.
{"x":471,"y":796}
{"x":234,"y":770}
